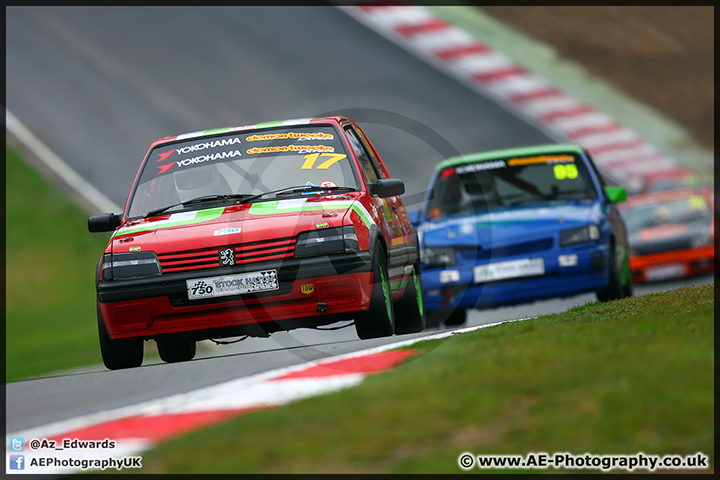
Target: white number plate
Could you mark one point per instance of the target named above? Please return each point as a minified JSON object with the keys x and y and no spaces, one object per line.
{"x":224,"y":285}
{"x":663,"y":272}
{"x":527,"y":267}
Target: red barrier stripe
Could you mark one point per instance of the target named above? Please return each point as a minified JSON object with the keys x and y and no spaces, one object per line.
{"x":571,"y":112}
{"x":433,"y":25}
{"x":455,"y":52}
{"x":616,"y":164}
{"x":532,"y":91}
{"x":616,"y":146}
{"x":366,"y":364}
{"x":534,"y":95}
{"x":584,"y":131}
{"x":499,"y":74}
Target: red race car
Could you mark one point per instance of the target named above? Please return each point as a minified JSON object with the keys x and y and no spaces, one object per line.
{"x":671,"y":233}
{"x":254,"y":229}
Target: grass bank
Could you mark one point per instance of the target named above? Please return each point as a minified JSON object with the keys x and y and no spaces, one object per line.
{"x":49,"y":275}
{"x":630,"y":376}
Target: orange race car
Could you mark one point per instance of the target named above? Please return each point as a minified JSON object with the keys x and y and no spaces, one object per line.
{"x":671,"y":233}
{"x":670,"y":179}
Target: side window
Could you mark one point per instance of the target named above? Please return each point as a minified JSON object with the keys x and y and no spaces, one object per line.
{"x":372,"y":156}
{"x":371,"y":175}
{"x":600,"y":178}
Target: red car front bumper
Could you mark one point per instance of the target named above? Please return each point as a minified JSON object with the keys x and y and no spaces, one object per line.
{"x":674,"y":264}
{"x":157,"y":306}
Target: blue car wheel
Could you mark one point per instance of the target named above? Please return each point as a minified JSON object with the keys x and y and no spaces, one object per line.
{"x":615,"y":289}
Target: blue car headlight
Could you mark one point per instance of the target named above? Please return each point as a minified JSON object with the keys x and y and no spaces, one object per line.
{"x":327,"y":241}
{"x":588,"y":233}
{"x":130,"y":265}
{"x":437,"y":256}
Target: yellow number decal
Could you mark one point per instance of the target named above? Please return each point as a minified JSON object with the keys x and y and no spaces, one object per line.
{"x":335,"y":157}
{"x":697,"y":202}
{"x":309,"y":161}
{"x":311,"y":158}
{"x":571,"y":170}
{"x":565,"y":171}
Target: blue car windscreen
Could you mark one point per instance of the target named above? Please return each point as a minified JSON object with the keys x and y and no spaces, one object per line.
{"x":493,"y":184}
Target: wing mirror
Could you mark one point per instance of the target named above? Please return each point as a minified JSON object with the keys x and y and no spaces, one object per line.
{"x":387,"y":187}
{"x":104,"y":222}
{"x":616,"y":193}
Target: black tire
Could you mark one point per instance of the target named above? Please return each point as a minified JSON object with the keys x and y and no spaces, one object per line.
{"x":456,"y":318}
{"x":379,"y":319}
{"x":614,"y":290}
{"x":120,"y":353}
{"x":410,"y":309}
{"x":173,"y":350}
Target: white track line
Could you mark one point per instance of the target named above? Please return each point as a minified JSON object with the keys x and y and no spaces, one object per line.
{"x":91,"y":194}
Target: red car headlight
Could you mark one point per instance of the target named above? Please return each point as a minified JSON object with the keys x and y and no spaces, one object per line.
{"x":327,"y":241}
{"x":122,"y":266}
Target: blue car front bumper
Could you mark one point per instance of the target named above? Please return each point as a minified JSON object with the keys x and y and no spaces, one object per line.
{"x":455,"y":286}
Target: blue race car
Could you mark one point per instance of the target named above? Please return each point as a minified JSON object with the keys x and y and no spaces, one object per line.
{"x":518,"y":225}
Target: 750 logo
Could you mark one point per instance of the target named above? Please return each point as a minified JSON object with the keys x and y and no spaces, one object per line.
{"x":201,"y":288}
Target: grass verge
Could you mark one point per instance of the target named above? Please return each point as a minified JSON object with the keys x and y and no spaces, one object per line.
{"x":50,"y":270}
{"x":50,"y":315}
{"x":629,"y":376}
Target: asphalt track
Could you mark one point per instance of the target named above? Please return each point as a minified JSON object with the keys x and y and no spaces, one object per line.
{"x":98,"y":85}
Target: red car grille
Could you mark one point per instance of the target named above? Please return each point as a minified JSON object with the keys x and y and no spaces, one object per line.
{"x":210,"y":257}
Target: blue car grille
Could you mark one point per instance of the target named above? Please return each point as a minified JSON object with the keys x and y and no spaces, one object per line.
{"x":475,"y":253}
